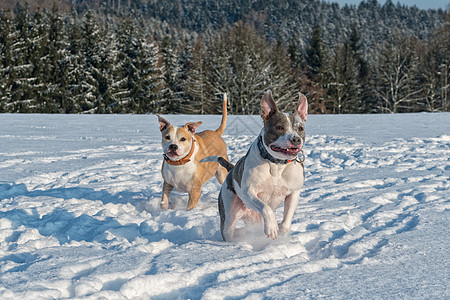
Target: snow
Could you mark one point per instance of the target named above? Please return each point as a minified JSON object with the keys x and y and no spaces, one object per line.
{"x":80,"y":217}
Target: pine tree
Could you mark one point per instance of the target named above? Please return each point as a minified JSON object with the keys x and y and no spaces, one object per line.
{"x":436,"y":70}
{"x":347,"y":77}
{"x":6,"y":61}
{"x":197,"y":87}
{"x":173,"y":74}
{"x":74,"y":64}
{"x":138,"y":73}
{"x":107,"y":57}
{"x":52,"y":75}
{"x":84,"y":70}
{"x":315,"y":69}
{"x":21,"y":75}
{"x":122,"y":67}
{"x":315,"y":55}
{"x":294,"y":53}
{"x":342,"y":80}
{"x":397,"y":85}
{"x":283,"y":79}
{"x":241,"y":66}
{"x":150,"y":86}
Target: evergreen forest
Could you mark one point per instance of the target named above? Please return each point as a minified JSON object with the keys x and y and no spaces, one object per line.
{"x":180,"y":56}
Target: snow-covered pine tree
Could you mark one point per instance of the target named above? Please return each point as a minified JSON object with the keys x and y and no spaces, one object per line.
{"x":53,"y":50}
{"x":436,"y":70}
{"x":284,"y":78}
{"x":122,"y":69}
{"x":173,"y":63}
{"x":396,"y":75}
{"x":6,"y":61}
{"x":343,"y":86}
{"x":315,"y":66}
{"x":138,"y":85}
{"x":241,"y":65}
{"x":84,"y":63}
{"x":150,"y":86}
{"x":197,"y":88}
{"x":107,"y":58}
{"x":21,"y":75}
{"x":315,"y":57}
{"x":347,"y":75}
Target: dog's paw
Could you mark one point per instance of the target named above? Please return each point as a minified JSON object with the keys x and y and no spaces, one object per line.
{"x":271,"y":231}
{"x":271,"y":228}
{"x":164,"y":205}
{"x":270,"y":223}
{"x":284,"y":228}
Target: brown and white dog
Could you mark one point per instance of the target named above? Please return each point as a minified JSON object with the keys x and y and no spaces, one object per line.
{"x":270,"y":173}
{"x":183,"y":149}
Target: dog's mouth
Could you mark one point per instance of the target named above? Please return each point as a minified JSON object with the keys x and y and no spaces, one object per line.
{"x":292,"y":151}
{"x":172,"y":154}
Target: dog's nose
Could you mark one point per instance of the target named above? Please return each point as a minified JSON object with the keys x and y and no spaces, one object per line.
{"x":295,"y":140}
{"x":173,"y":147}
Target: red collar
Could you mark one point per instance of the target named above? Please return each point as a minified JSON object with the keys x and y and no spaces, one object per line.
{"x":182,"y":161}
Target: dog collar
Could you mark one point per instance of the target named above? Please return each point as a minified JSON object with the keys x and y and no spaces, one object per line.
{"x":266,"y":155}
{"x":182,"y":161}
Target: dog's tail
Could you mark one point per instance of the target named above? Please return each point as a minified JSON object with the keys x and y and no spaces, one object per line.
{"x":222,"y":126}
{"x":219,"y":159}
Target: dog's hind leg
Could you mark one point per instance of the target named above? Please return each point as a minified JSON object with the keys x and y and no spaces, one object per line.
{"x":230,"y":210}
{"x":221,"y":214}
{"x":221,"y":174}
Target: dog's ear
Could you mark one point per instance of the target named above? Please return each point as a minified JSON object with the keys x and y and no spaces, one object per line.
{"x":192,"y":126}
{"x":163,"y":123}
{"x":302,"y":107}
{"x":268,"y":106}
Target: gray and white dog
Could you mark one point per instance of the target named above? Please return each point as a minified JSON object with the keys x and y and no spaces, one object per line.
{"x":270,"y":173}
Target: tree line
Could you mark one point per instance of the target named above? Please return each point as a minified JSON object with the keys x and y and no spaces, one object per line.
{"x":98,"y":62}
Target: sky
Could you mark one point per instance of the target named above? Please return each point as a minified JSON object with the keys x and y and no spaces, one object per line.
{"x":423,"y":4}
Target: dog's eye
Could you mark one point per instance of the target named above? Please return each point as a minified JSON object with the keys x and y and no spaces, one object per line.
{"x":167,"y":137}
{"x":279,"y":127}
{"x":183,"y":139}
{"x":300,"y":128}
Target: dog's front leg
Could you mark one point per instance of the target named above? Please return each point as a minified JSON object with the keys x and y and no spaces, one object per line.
{"x":270,"y":222}
{"x":167,"y":190}
{"x":194,"y":196}
{"x":290,"y":204}
{"x":254,"y":202}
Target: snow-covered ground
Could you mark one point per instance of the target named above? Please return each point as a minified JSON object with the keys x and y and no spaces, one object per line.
{"x":80,"y":217}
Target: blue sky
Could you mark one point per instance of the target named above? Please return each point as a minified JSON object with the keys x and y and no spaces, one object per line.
{"x":423,"y":4}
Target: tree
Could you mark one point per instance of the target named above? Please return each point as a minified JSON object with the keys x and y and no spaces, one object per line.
{"x":245,"y":65}
{"x":21,"y":75}
{"x":436,"y":74}
{"x":315,"y":55}
{"x":138,"y":85}
{"x":53,"y":73}
{"x":150,"y":87}
{"x":397,"y":86}
{"x":174,"y":70}
{"x":315,"y":66}
{"x":83,"y":65}
{"x":6,"y":61}
{"x":197,"y":87}
{"x":343,"y":86}
{"x":348,"y":74}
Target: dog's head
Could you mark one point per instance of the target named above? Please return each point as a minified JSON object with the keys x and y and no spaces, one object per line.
{"x":283,"y":133}
{"x":177,"y":141}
